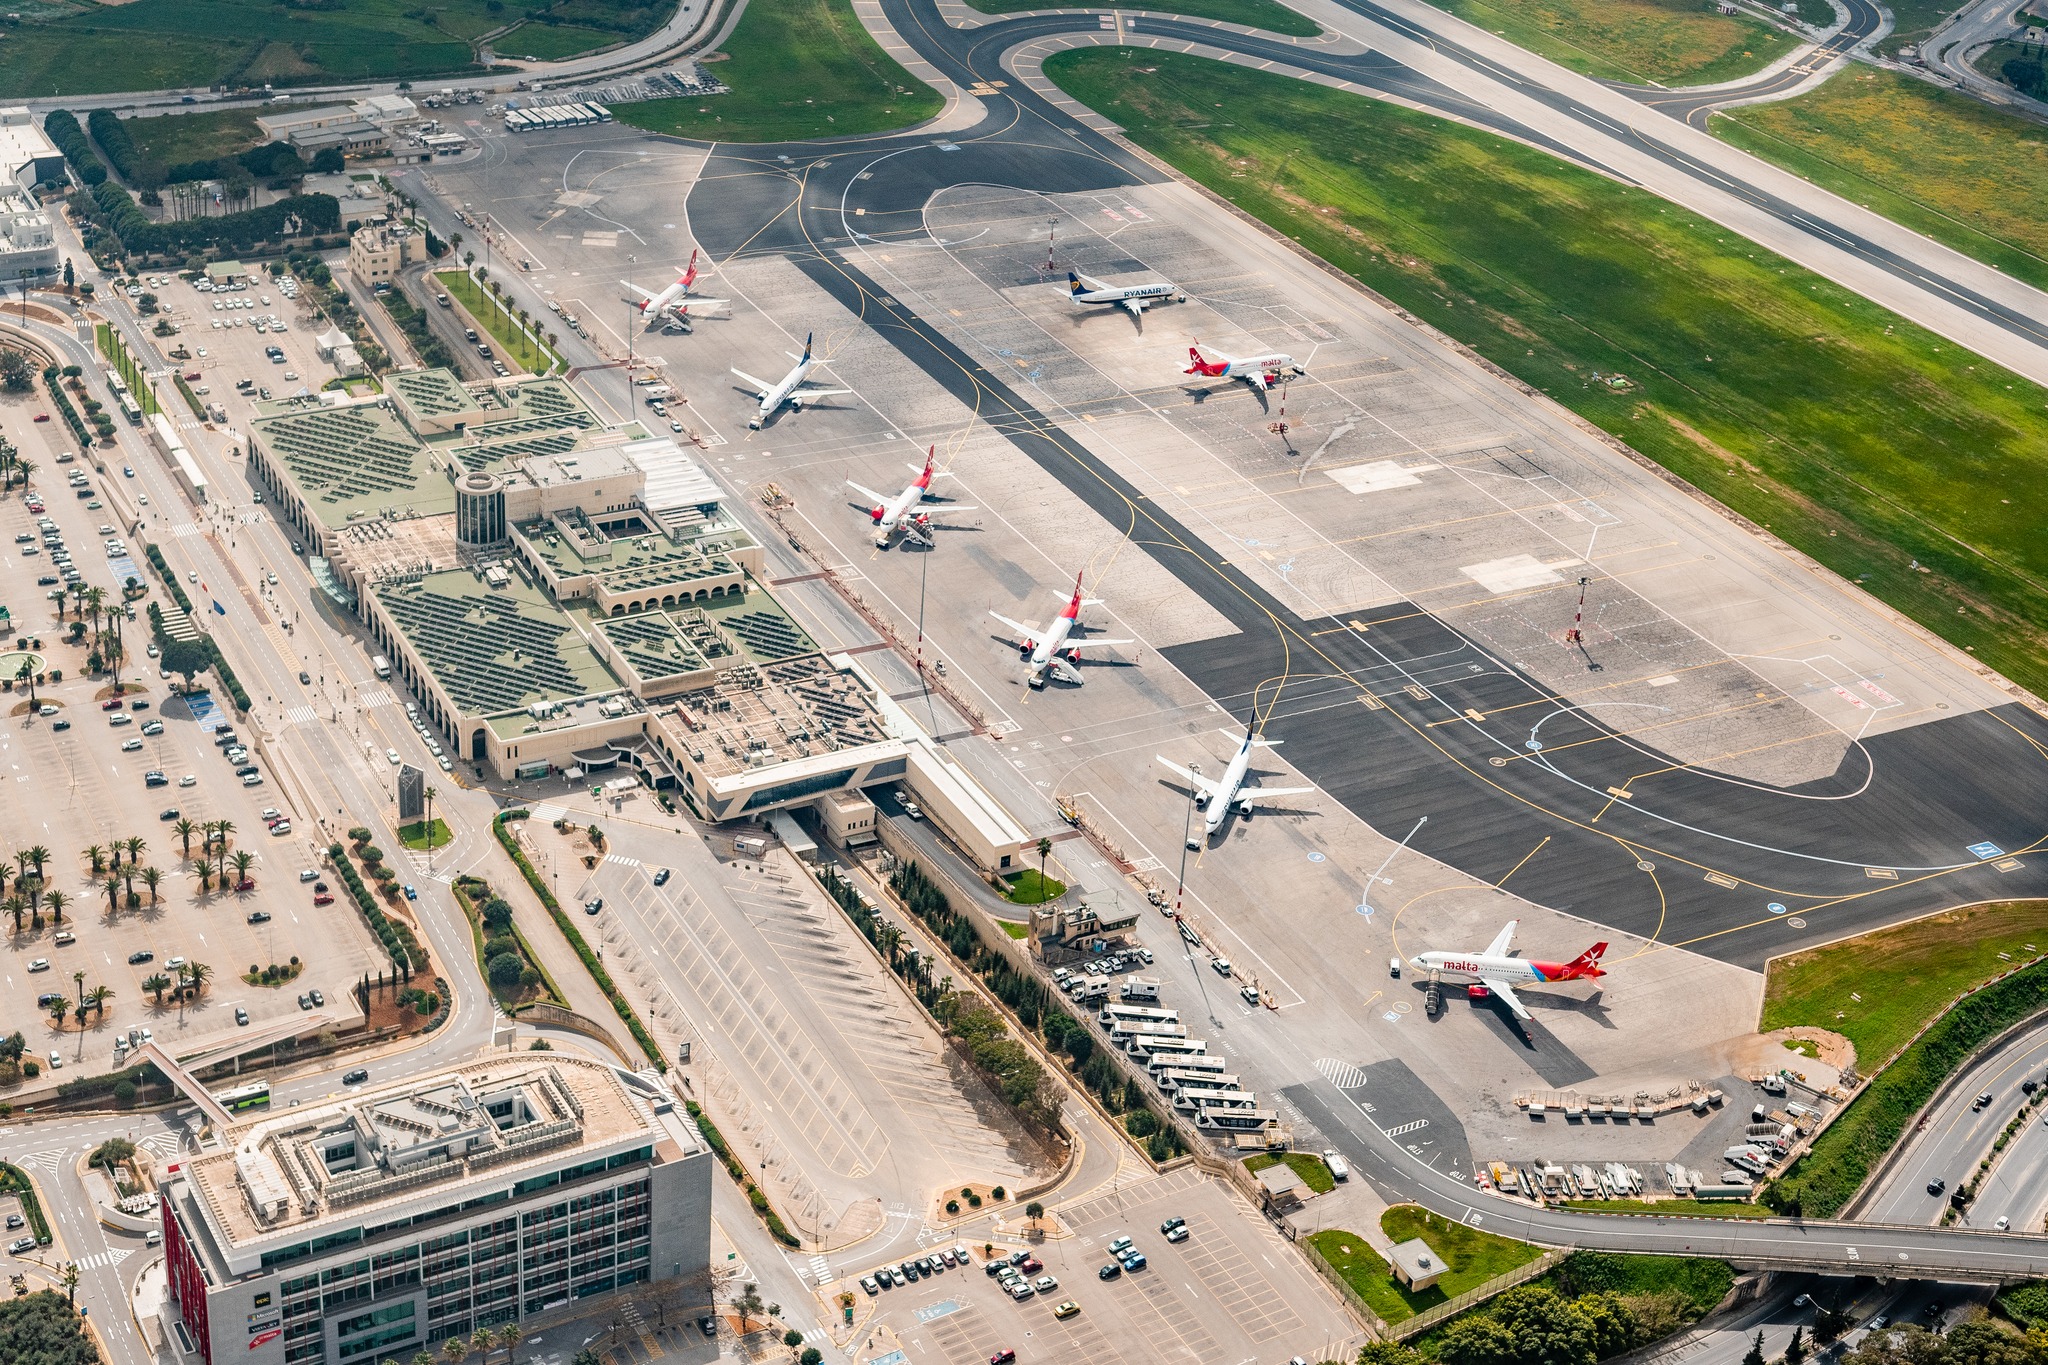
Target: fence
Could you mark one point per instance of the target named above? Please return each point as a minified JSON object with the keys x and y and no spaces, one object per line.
{"x":1414,"y":1327}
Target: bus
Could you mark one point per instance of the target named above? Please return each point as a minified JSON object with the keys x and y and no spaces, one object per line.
{"x":1133,"y":1036}
{"x":1136,"y":1014}
{"x":254,"y":1095}
{"x":1176,"y":1078}
{"x":1162,"y":1053}
{"x":1192,"y":1098}
{"x":1236,"y":1120}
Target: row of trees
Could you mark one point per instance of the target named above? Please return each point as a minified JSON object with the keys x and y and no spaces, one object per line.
{"x":111,"y":212}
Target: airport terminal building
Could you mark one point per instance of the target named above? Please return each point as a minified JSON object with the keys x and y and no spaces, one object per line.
{"x":377,"y":1225}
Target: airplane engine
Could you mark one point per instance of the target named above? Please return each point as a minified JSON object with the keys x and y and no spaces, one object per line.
{"x":877,"y":514}
{"x":1201,"y":800}
{"x":1074,"y":656}
{"x":1244,"y":810}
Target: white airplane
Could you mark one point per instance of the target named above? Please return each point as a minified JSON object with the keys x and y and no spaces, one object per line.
{"x":1132,"y":298}
{"x":1216,"y":799}
{"x":1262,"y":372}
{"x":674,"y":299}
{"x":1053,"y":651}
{"x":905,"y":511}
{"x":790,"y":389}
{"x":1496,"y":969}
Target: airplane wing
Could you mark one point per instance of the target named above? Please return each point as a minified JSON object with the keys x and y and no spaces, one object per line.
{"x":1201,"y":783}
{"x":1502,"y":941}
{"x":1268,"y":793}
{"x":1090,"y":642}
{"x":637,"y":290}
{"x":1507,"y":996}
{"x":807,"y":393}
{"x":761,"y":386}
{"x":685,"y":305}
{"x":1135,"y":307}
{"x":1028,"y":632}
{"x":868,"y":493}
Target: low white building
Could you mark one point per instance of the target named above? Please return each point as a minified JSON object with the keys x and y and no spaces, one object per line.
{"x":28,"y":241}
{"x":27,"y":156}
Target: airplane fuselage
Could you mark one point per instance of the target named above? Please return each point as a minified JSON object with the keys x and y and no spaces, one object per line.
{"x":655,"y":306}
{"x":772,"y":401}
{"x":1215,"y":810}
{"x":1044,"y":648}
{"x":1120,"y":293}
{"x":894,"y":513}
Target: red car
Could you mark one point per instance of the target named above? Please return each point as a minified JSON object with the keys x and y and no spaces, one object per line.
{"x":323,"y":899}
{"x":111,"y":704}
{"x":1032,"y":1265}
{"x":191,"y":375}
{"x":246,"y":884}
{"x":42,"y":417}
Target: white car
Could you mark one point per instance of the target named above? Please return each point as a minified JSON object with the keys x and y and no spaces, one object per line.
{"x":188,"y":780}
{"x":391,"y":757}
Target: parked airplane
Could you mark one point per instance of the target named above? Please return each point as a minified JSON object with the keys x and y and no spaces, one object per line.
{"x":1132,"y":298}
{"x":1054,"y":651}
{"x":1495,"y":969}
{"x":790,"y":389}
{"x":674,"y":299}
{"x":1216,"y":799}
{"x":905,"y":512}
{"x":1262,"y":372}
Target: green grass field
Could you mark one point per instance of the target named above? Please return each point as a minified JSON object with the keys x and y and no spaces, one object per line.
{"x":552,"y":42}
{"x":1670,"y":1208}
{"x":1926,"y":965}
{"x":1960,"y":171}
{"x":1913,"y":20}
{"x":1666,"y":42}
{"x":1313,"y":1170}
{"x":159,"y":44}
{"x":799,"y":69}
{"x":1474,"y":1257}
{"x":1265,"y":14}
{"x":1029,"y":888}
{"x":116,"y":352}
{"x":416,"y":834}
{"x":514,"y":347}
{"x":174,"y":139}
{"x":1863,"y":441}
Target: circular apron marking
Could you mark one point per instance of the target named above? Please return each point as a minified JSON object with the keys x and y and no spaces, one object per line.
{"x":1776,"y":908}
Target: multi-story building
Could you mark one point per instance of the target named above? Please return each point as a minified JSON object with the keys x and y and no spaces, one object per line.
{"x":371,"y":1227}
{"x":27,"y":156}
{"x":377,"y":254}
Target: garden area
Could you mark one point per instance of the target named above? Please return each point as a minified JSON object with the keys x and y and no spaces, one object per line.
{"x":508,"y":963}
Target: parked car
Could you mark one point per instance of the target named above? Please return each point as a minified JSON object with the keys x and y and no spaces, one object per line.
{"x":259,"y":917}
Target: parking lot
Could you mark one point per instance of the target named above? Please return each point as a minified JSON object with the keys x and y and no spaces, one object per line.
{"x":77,"y":778}
{"x":1225,"y":1293}
{"x":229,"y":332}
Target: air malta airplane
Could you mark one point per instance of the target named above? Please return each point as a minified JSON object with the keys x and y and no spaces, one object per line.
{"x":1262,"y":372}
{"x":1132,"y":298}
{"x":790,"y":389}
{"x":1054,"y":651}
{"x":905,"y":512}
{"x":675,"y":298}
{"x":1496,"y":969}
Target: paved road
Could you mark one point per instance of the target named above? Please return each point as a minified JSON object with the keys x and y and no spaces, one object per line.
{"x":1695,"y":105}
{"x":1957,"y":1135}
{"x":1951,"y":51}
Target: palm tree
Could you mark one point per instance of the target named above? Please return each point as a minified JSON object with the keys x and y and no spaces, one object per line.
{"x":508,"y":1337}
{"x":156,"y":983}
{"x":1044,"y":852}
{"x":224,"y":828}
{"x":27,"y":674}
{"x":430,"y":819}
{"x":134,"y":843}
{"x":97,"y":998}
{"x":78,"y":599}
{"x":34,"y":888}
{"x":78,"y":980}
{"x":58,"y":1009}
{"x":71,"y":1283}
{"x":25,"y":468}
{"x":151,"y":878}
{"x":97,"y":856}
{"x":113,"y":889}
{"x":482,"y":1340}
{"x":242,"y":860}
{"x":183,"y":829}
{"x":58,"y":900}
{"x":95,"y":601}
{"x":423,"y":1357}
{"x":38,"y":855}
{"x":15,"y":906}
{"x":198,"y":973}
{"x":455,"y":1348}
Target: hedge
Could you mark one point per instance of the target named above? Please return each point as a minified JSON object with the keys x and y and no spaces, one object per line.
{"x":111,"y":133}
{"x":735,"y":1168}
{"x":63,"y":130}
{"x":1823,"y":1181}
{"x":54,"y":378}
{"x":114,"y":209}
{"x":16,"y":1179}
{"x":399,"y":941}
{"x":569,"y":930}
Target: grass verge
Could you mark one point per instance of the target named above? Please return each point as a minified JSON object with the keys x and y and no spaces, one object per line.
{"x":1368,"y":1274}
{"x":1927,"y":964}
{"x":515,"y":346}
{"x":176,"y":139}
{"x":1667,"y":42}
{"x":1314,"y":1172}
{"x":1029,"y":887}
{"x":735,"y":1168}
{"x":1886,"y":453}
{"x":1823,"y":1181}
{"x":116,"y":351}
{"x":1014,"y":929}
{"x":418,"y":835}
{"x":1265,"y":14}
{"x":1671,"y":1208}
{"x":798,"y":69}
{"x":15,"y":1179}
{"x":627,"y":1014}
{"x":552,"y":42}
{"x":1970,"y":176}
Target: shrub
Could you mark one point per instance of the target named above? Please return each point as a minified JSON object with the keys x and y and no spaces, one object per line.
{"x":504,"y":970}
{"x":124,"y":1093}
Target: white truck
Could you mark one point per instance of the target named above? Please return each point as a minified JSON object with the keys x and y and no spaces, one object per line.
{"x":1340,"y":1169}
{"x":1139,"y":988}
{"x":381,"y":666}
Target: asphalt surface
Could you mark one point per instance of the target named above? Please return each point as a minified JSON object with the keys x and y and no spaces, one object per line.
{"x":1957,"y":1134}
{"x":1696,"y":105}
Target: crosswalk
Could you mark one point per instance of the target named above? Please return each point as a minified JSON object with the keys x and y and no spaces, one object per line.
{"x":1343,"y":1075}
{"x":621,"y":859}
{"x":162,"y":1144}
{"x":377,"y":697}
{"x":112,"y":1256}
{"x":300,"y":715}
{"x":43,"y":1161}
{"x":549,"y":814}
{"x":187,"y":528}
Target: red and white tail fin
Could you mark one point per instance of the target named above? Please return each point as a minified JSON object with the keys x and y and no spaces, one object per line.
{"x":1197,"y":365}
{"x":1586,"y":964}
{"x":690,"y":272}
{"x":924,"y":480}
{"x":1073,"y":611}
